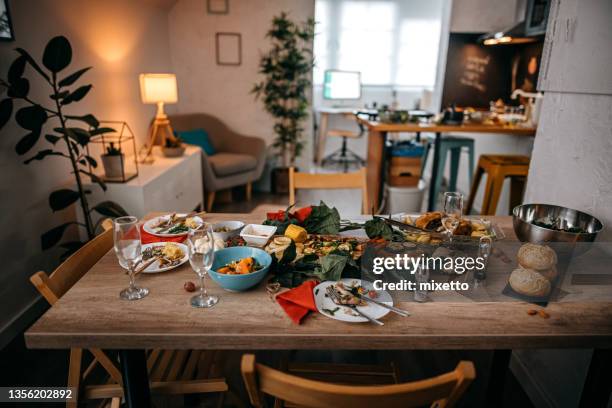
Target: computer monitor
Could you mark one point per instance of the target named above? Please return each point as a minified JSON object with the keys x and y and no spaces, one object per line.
{"x":342,"y":84}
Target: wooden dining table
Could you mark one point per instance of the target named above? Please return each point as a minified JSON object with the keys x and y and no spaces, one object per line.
{"x":377,"y":137}
{"x":91,"y":315}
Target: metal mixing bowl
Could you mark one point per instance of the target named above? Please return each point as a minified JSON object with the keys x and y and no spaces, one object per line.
{"x":524,"y":215}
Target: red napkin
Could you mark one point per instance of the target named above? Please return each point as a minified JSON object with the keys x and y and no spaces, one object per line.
{"x":297,"y":302}
{"x":147,"y":238}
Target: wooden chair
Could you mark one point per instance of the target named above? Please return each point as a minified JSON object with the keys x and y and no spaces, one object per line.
{"x":332,"y":181}
{"x":499,"y":167}
{"x":441,"y":391}
{"x":171,"y":372}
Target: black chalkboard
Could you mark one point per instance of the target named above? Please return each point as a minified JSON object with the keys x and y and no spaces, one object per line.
{"x":476,"y":74}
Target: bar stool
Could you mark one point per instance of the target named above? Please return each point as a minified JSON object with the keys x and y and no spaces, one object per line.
{"x":452,"y":144}
{"x":498,"y":167}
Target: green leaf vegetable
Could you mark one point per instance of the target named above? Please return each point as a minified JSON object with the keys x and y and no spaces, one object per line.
{"x":323,"y":220}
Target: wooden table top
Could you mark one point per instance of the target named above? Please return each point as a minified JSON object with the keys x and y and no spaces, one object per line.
{"x":472,"y":128}
{"x":91,"y":315}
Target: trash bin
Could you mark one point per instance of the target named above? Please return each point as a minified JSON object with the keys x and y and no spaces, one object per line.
{"x":406,"y":199}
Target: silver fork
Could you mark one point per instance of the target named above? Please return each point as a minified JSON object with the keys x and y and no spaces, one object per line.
{"x":336,"y":299}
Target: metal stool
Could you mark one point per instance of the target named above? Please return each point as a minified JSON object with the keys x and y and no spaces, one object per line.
{"x":454,"y":144}
{"x":498,"y":167}
{"x":343,"y":155}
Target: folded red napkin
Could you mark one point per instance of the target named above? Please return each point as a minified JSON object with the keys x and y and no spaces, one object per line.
{"x":297,"y":302}
{"x":147,"y":238}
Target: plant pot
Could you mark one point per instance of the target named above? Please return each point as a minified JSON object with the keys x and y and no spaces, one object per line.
{"x":173,"y":151}
{"x":280,"y":180}
{"x":113,"y":165}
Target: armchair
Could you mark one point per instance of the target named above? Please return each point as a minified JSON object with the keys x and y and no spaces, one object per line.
{"x":239,"y":159}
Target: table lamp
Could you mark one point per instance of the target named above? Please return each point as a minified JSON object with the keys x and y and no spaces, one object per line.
{"x":158,"y":89}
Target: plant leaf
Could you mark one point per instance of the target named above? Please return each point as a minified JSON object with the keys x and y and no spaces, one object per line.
{"x":99,"y":131}
{"x":42,"y":154}
{"x":19,"y":88}
{"x":60,"y":199}
{"x":57,"y":54}
{"x":81,"y":136}
{"x":60,"y":95}
{"x":323,"y":220}
{"x":89,"y":119}
{"x":27,"y":142}
{"x":6,"y":110}
{"x":31,"y":117}
{"x":95,"y":178}
{"x":53,"y":236}
{"x":16,"y":69}
{"x":378,"y":228}
{"x":32,"y":63}
{"x":76,"y":95}
{"x":53,"y":139}
{"x":110,"y":209}
{"x":72,"y":78}
{"x":92,"y":162}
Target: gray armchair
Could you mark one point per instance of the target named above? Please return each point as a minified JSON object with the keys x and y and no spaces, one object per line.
{"x":239,"y":159}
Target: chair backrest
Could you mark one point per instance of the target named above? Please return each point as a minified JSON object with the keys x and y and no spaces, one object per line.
{"x":336,"y":181}
{"x":441,"y":391}
{"x":218,"y":132}
{"x":53,"y":287}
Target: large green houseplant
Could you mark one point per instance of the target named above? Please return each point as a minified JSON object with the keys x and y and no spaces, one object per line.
{"x":67,"y":140}
{"x":287,"y":68}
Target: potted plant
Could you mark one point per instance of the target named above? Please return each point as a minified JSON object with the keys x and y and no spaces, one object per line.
{"x":284,"y":90}
{"x":65,"y":138}
{"x":173,"y":147}
{"x":112,"y":161}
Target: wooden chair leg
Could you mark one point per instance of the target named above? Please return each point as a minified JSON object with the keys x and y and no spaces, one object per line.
{"x":497,"y":183}
{"x":74,"y":375}
{"x":474,"y":189}
{"x":249,"y":191}
{"x":210,"y":199}
{"x":115,"y":402}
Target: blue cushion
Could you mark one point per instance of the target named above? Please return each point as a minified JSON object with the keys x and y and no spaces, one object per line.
{"x":198,"y":137}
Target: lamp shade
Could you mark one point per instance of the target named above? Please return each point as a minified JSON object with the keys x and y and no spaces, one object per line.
{"x":156,"y":88}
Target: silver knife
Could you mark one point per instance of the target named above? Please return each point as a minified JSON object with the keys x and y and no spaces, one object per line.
{"x":386,"y":306}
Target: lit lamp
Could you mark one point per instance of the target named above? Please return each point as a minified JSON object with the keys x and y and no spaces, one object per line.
{"x":158,"y":89}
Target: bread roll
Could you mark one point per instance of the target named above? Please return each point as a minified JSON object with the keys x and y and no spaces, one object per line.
{"x":550,"y":274}
{"x":429,"y":221}
{"x":529,"y":282}
{"x":538,"y":257}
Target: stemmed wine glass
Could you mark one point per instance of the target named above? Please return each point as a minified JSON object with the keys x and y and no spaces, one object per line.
{"x":201,"y":255}
{"x":126,"y":236}
{"x":453,"y":208}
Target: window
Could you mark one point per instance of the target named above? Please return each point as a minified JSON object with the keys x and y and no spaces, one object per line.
{"x":391,"y":42}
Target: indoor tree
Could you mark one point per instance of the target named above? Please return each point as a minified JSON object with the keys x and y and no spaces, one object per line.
{"x":67,"y":140}
{"x":284,"y":91}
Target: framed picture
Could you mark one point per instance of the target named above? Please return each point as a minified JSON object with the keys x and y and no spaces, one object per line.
{"x":217,"y":6}
{"x":228,"y":48}
{"x":537,"y":16}
{"x":6,"y":27}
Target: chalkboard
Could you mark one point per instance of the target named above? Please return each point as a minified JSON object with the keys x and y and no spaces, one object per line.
{"x":475,"y":74}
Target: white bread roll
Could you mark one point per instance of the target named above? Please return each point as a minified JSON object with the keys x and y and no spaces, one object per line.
{"x":538,"y":257}
{"x":529,"y":282}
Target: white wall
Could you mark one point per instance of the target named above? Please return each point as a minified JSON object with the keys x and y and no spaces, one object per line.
{"x":572,"y":159}
{"x":120,"y":39}
{"x":224,"y":91}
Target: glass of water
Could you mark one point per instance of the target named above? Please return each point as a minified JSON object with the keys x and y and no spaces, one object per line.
{"x":453,"y":209}
{"x":421,"y":276}
{"x":126,"y":236}
{"x":201,"y":256}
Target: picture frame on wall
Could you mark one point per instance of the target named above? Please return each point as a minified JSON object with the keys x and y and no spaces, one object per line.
{"x":6,"y":26}
{"x":228,"y":48}
{"x":217,"y":6}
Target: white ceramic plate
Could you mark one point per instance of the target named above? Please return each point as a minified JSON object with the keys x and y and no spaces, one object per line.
{"x":344,"y":313}
{"x":148,"y":226}
{"x":154,"y":268}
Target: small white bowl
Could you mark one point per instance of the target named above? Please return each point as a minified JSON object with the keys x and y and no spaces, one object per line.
{"x":234,"y":229}
{"x":257,"y":235}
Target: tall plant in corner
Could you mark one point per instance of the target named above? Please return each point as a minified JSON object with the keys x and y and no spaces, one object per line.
{"x":287,"y":69}
{"x":68,"y":139}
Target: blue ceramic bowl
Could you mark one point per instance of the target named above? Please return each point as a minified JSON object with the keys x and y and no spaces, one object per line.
{"x":238,"y":283}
